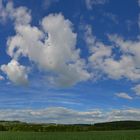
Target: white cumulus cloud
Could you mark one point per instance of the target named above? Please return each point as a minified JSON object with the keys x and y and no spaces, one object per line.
{"x":20,"y":15}
{"x":106,"y":61}
{"x":16,"y":72}
{"x":53,"y":49}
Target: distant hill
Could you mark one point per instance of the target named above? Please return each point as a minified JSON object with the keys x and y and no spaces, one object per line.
{"x":118,"y":125}
{"x":23,"y":126}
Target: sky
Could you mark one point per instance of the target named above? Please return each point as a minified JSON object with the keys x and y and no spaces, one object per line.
{"x":69,"y":61}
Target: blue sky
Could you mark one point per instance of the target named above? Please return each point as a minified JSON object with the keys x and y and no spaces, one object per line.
{"x":71,"y":58}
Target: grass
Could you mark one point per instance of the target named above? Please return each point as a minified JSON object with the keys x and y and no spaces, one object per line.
{"x":102,"y":135}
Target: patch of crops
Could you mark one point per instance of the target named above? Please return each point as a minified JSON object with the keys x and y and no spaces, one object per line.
{"x":100,"y":135}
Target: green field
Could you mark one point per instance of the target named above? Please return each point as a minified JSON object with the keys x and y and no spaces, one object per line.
{"x":102,"y":135}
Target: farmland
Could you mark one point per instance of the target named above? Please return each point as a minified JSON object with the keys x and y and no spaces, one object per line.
{"x":95,"y":135}
{"x":121,"y":130}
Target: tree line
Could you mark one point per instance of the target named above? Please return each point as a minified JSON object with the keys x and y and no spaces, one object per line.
{"x":22,"y":126}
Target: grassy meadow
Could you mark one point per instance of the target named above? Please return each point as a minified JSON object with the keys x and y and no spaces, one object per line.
{"x":100,"y":135}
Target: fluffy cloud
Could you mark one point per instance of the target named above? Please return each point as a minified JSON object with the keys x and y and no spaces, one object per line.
{"x":99,"y":52}
{"x":20,"y":15}
{"x":117,"y":69}
{"x":15,"y":72}
{"x":53,"y":49}
{"x":124,"y":96}
{"x":105,"y":60}
{"x":90,"y":3}
{"x":130,"y":55}
{"x":63,"y":115}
